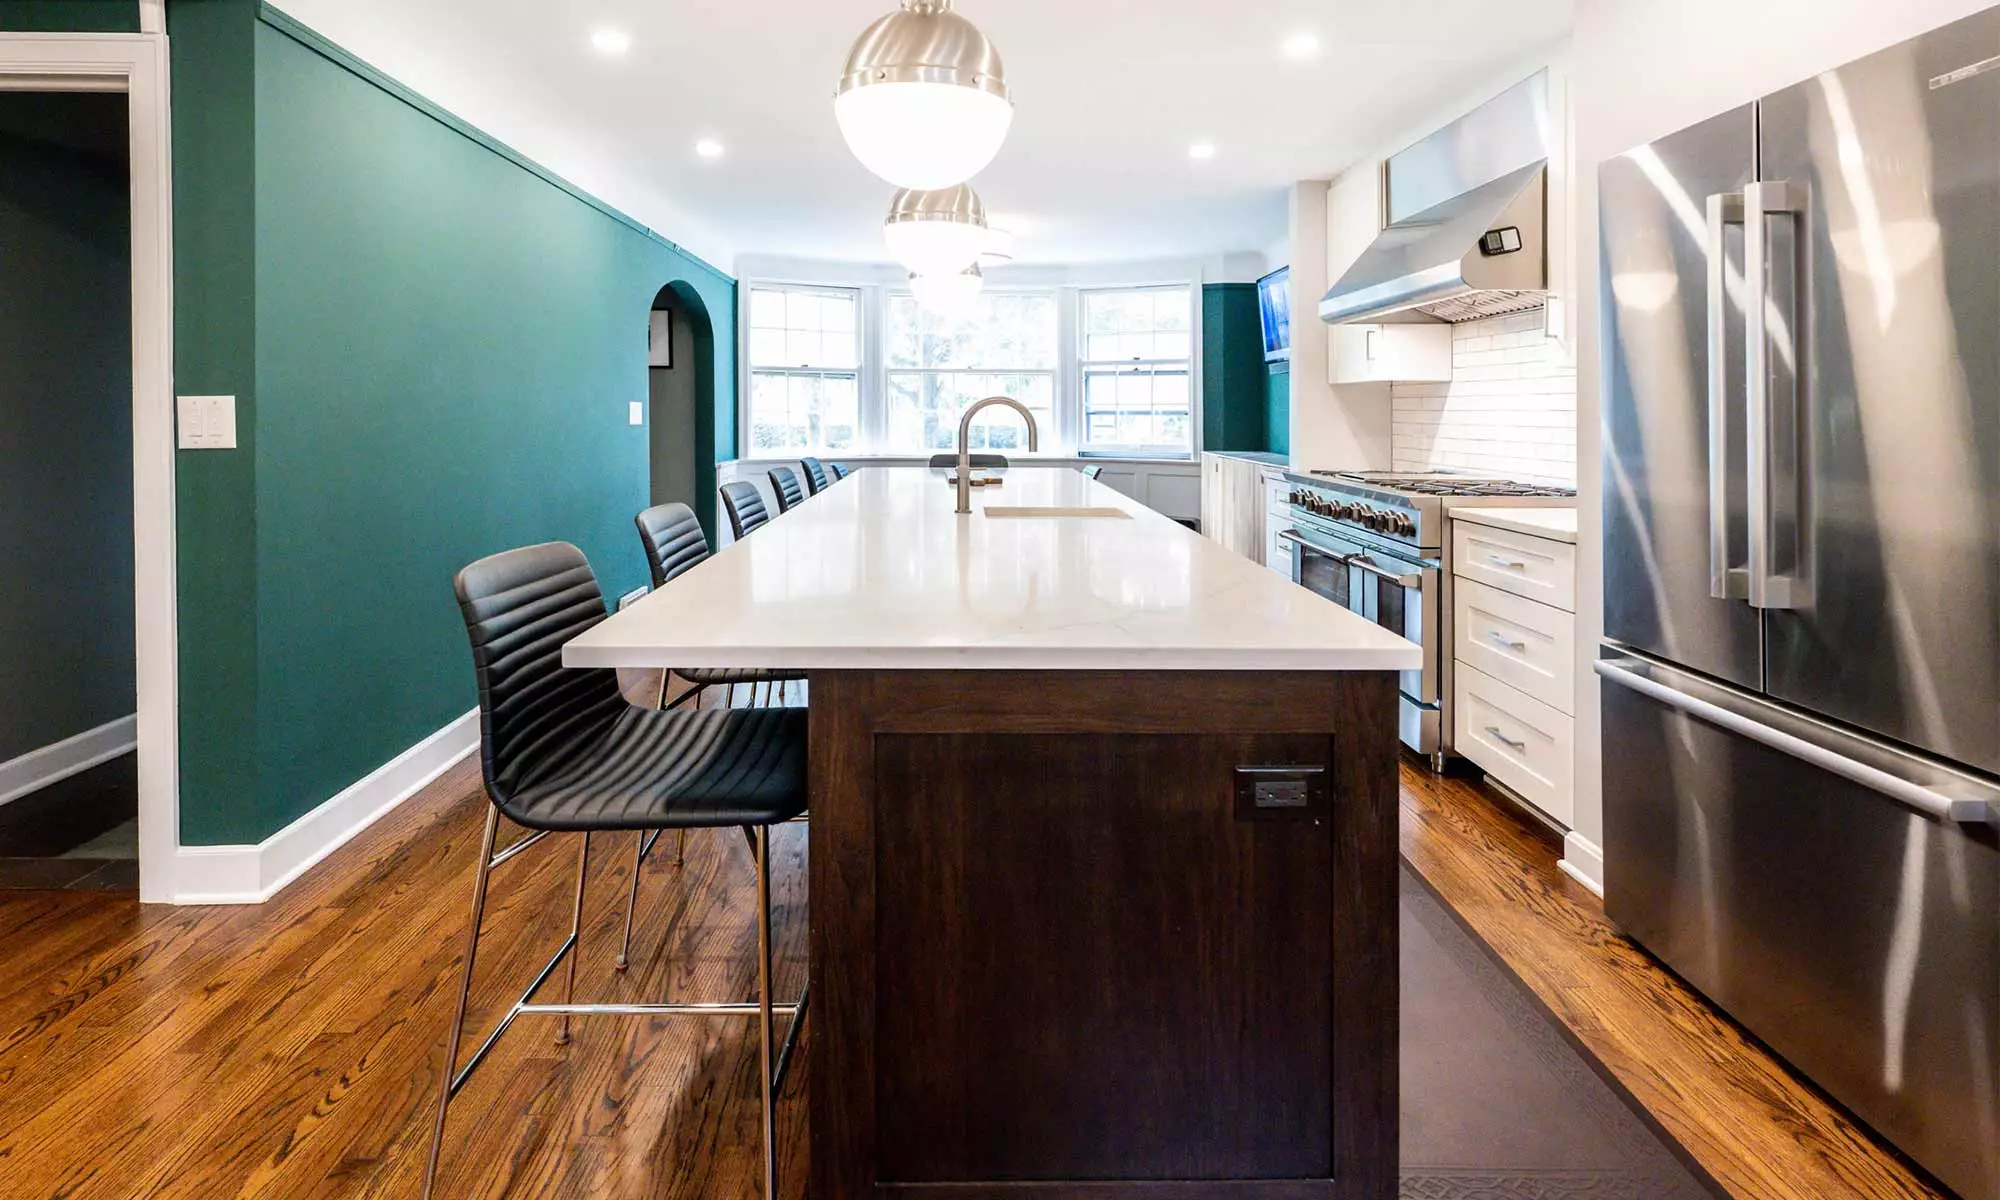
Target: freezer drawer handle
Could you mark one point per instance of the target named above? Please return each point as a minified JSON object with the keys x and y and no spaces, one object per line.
{"x":1494,"y":732}
{"x":1501,"y":639}
{"x":1925,"y":801}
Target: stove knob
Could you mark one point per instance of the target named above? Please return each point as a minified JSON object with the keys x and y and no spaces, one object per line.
{"x":1408,"y":526}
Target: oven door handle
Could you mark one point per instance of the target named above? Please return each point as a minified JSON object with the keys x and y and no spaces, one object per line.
{"x":1293,"y":536}
{"x":1363,"y":562}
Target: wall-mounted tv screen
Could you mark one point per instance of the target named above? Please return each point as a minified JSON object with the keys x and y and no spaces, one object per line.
{"x":1274,"y":305}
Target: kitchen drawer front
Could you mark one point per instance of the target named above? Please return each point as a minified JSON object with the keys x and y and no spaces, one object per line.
{"x":1516,"y":641}
{"x":1541,"y":569}
{"x":1520,"y":741}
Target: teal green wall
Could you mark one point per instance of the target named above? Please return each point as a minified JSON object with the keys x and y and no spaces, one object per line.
{"x":1233,"y":384}
{"x":1278,"y":407}
{"x":66,"y":646}
{"x":432,"y":343}
{"x":69,"y":16}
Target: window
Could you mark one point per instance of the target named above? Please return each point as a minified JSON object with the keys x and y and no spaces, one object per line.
{"x":805,"y":371}
{"x":1136,"y":359}
{"x":936,"y":365}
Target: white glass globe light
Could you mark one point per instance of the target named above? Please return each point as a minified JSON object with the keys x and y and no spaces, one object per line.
{"x":951,"y":295}
{"x":923,"y":135}
{"x":923,"y":99}
{"x":937,"y":232}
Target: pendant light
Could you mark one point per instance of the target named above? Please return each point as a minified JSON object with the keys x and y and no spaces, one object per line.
{"x":938,"y":232}
{"x":923,"y":100}
{"x":950,"y":295}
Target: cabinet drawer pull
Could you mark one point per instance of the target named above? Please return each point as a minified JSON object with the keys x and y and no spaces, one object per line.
{"x":1500,"y":639}
{"x":1503,"y":739}
{"x":1510,"y":564}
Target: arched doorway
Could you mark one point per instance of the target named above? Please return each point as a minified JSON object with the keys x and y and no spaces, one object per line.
{"x":681,"y":400}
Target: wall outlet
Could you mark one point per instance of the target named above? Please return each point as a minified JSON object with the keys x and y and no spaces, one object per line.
{"x":206,"y":422}
{"x":636,"y":413}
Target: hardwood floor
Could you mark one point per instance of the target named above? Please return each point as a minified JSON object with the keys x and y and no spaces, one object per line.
{"x":291,"y":1050}
{"x":1740,"y":1115}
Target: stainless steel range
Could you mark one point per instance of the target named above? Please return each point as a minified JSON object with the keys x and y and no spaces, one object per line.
{"x":1375,"y":544}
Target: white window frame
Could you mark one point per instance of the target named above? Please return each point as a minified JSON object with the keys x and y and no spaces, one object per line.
{"x":874,"y":285}
{"x":1050,"y":439}
{"x":862,"y":344}
{"x":1084,"y":364}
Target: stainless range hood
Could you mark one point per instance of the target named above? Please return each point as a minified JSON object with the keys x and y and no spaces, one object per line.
{"x":1467,"y":211}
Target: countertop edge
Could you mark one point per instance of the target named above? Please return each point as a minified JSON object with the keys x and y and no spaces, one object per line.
{"x":848,"y":658}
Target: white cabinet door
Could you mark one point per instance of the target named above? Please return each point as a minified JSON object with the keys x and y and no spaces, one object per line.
{"x":1390,"y":353}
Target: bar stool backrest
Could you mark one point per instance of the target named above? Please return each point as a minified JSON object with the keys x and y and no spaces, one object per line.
{"x":745,"y":506}
{"x":988,"y":462}
{"x":520,"y":607}
{"x":1093,"y":471}
{"x":785,"y":486}
{"x":816,"y":477}
{"x":839,"y":472}
{"x":673,"y":539}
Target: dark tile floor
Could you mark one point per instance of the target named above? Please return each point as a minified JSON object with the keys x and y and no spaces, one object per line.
{"x":41,"y":833}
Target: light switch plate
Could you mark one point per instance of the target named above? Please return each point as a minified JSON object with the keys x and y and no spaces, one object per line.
{"x":206,"y":422}
{"x":636,"y":414}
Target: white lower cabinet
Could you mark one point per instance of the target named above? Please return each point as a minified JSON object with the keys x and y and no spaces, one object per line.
{"x":1277,"y":519}
{"x":1519,"y":741}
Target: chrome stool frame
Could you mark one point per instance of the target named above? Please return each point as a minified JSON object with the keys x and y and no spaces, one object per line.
{"x":774,"y":1059}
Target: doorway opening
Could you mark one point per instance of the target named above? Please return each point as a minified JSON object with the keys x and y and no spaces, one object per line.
{"x":681,"y":401}
{"x":69,"y":782}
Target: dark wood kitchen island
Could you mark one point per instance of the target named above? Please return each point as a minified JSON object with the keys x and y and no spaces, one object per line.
{"x":1103,"y":845}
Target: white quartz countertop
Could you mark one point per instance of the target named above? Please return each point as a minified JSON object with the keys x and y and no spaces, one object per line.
{"x":879,"y":572}
{"x":1558,"y":524}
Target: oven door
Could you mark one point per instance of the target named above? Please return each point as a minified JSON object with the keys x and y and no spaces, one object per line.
{"x":1399,"y":593}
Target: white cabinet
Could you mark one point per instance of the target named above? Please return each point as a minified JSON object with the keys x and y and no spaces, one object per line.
{"x":1513,"y":661}
{"x":1232,"y":503}
{"x":1389,"y":353}
{"x":1277,"y":519}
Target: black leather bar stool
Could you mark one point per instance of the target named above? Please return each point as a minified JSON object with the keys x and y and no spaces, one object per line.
{"x":785,"y":486}
{"x":839,"y":472}
{"x":745,"y":506}
{"x":987,"y":462}
{"x":816,"y":477}
{"x":563,"y":752}
{"x":1093,"y":471}
{"x":674,"y":546}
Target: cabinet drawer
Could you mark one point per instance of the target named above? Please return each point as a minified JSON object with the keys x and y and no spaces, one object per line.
{"x":1541,"y":569}
{"x":1520,"y":741}
{"x":1527,"y":645}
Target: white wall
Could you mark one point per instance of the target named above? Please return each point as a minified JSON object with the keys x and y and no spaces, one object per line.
{"x":1332,"y":428}
{"x":1644,"y":69}
{"x":1509,"y":410}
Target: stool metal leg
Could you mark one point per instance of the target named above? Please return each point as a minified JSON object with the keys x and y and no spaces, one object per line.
{"x":639,"y":848}
{"x":464,"y":990}
{"x":767,"y":1079}
{"x":575,"y":932}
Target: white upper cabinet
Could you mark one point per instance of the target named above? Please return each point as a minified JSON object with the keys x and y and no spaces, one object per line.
{"x":1374,"y":353}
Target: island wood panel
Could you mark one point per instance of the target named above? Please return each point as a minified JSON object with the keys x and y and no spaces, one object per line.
{"x":882,"y":741}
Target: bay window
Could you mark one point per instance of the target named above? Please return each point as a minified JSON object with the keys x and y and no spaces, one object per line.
{"x":846,"y":371}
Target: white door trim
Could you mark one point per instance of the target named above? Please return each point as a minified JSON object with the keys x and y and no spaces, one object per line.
{"x":136,"y":64}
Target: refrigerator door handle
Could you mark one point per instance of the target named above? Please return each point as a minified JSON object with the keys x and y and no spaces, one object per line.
{"x":1724,"y":581}
{"x":1978,"y":806}
{"x":1763,"y":329}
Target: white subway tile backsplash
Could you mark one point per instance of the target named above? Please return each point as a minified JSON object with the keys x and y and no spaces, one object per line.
{"x":1509,"y":410}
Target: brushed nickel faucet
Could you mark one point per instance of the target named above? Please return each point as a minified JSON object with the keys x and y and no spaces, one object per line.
{"x":965,"y":443}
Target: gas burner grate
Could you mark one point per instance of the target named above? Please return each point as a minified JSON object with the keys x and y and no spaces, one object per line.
{"x":1448,"y":485}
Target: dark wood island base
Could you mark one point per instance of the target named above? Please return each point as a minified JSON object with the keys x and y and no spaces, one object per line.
{"x":1064,"y":947}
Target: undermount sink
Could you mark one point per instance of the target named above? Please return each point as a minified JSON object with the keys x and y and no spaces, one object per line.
{"x":1053,"y":512}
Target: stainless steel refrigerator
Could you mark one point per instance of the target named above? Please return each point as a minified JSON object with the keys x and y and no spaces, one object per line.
{"x":1801,"y":673}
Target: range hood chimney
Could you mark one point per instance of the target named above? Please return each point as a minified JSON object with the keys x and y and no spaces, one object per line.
{"x":1468,"y":213}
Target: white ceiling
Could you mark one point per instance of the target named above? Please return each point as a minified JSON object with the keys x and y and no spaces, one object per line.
{"x":1108,"y":96}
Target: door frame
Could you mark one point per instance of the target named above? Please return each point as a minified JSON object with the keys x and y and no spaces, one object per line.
{"x":136,"y":64}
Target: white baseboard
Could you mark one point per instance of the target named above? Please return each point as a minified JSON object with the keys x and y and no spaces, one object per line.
{"x":1583,"y":861}
{"x":37,"y":769}
{"x":254,"y":874}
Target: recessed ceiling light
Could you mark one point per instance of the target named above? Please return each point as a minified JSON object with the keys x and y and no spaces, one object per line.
{"x":1202,"y":151}
{"x":1301,"y":46}
{"x":708,"y":148}
{"x":610,"y":42}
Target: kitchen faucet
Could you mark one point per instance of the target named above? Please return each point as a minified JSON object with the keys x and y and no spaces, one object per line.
{"x":965,"y":444}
